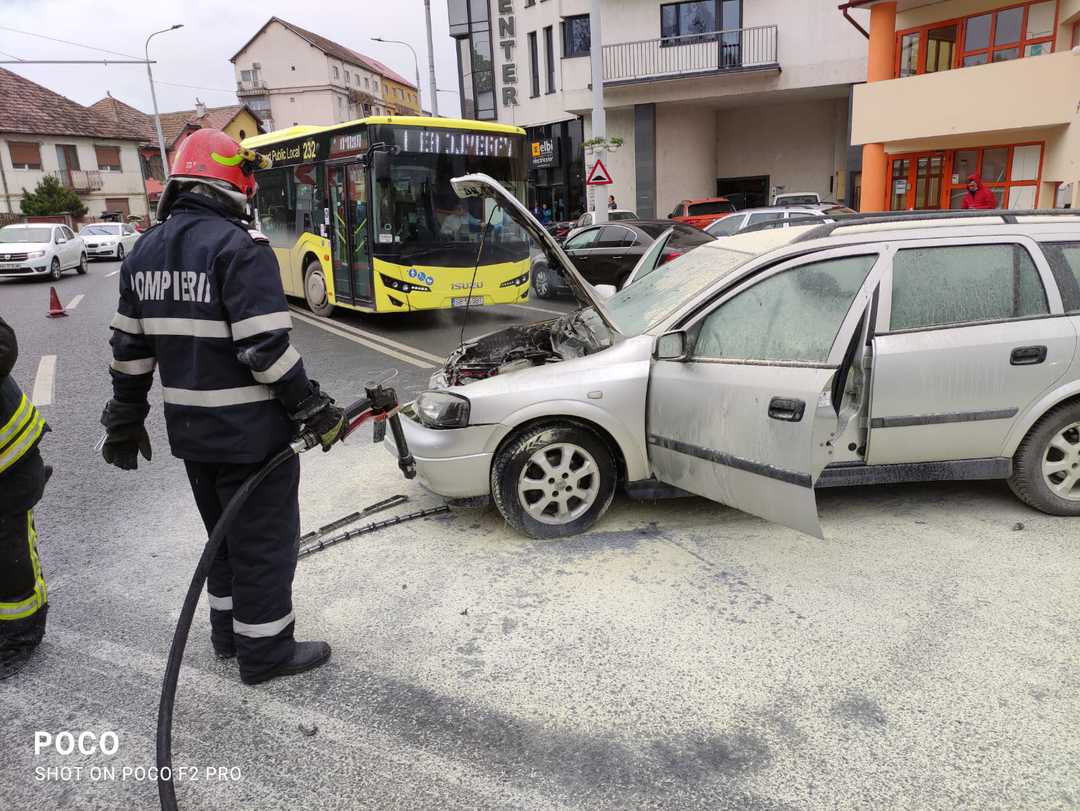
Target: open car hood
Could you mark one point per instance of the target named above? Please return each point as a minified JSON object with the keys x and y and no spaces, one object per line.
{"x":481,"y":185}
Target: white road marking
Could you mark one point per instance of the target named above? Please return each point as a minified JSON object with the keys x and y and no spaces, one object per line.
{"x":329,"y":326}
{"x":44,"y":381}
{"x":107,"y":275}
{"x":539,"y":309}
{"x":75,"y":302}
{"x":371,"y":336}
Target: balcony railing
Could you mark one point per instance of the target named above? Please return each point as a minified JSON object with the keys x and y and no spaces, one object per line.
{"x":738,"y":49}
{"x":79,"y":180}
{"x":251,"y":87}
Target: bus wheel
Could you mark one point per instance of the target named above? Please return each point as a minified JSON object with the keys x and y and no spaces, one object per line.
{"x":315,"y":290}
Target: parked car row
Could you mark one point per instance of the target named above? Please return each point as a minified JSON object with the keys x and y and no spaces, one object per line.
{"x":778,"y":216}
{"x":48,"y":249}
{"x":756,"y":368}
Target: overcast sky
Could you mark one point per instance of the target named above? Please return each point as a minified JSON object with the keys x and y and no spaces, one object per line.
{"x":198,"y":54}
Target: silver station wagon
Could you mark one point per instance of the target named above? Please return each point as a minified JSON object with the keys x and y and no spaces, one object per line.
{"x":756,"y":368}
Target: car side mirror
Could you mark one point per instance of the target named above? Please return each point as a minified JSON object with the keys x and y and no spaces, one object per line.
{"x":605,"y":291}
{"x":671,"y":346}
{"x":60,"y":240}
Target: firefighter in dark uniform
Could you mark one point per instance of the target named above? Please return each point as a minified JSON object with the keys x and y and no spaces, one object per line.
{"x":22,"y":479}
{"x":201,"y":299}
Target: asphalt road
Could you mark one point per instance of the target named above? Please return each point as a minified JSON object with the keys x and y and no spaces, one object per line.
{"x":679,"y":655}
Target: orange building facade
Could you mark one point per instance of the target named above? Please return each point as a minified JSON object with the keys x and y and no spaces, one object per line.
{"x":962,"y":87}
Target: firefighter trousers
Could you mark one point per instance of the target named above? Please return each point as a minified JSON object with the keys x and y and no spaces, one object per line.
{"x":22,"y":584}
{"x":250,"y":583}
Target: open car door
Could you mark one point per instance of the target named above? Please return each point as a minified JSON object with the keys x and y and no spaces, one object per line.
{"x":743,"y":401}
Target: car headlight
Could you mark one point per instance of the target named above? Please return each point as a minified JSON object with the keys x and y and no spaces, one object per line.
{"x":440,"y":409}
{"x":35,"y":254}
{"x":516,"y":282}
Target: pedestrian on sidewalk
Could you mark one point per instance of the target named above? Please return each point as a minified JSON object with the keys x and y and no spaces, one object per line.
{"x":23,"y":475}
{"x":611,"y":204}
{"x":978,"y":196}
{"x":201,"y":299}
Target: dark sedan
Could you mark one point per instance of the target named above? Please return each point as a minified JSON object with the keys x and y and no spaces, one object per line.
{"x":606,"y":254}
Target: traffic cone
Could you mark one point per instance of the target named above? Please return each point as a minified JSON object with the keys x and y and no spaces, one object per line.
{"x":56,"y":309}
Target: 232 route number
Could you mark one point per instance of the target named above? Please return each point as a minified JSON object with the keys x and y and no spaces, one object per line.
{"x":310,"y":149}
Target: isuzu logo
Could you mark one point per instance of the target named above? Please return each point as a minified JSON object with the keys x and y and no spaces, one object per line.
{"x":466,"y":286}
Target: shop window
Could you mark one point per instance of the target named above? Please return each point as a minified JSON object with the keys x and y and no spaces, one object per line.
{"x":933,"y":180}
{"x":576,"y":36}
{"x":996,"y":36}
{"x":964,"y":284}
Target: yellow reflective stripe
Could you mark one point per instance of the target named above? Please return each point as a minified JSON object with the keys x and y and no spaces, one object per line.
{"x":25,"y":608}
{"x":17,"y":422}
{"x":15,"y":452}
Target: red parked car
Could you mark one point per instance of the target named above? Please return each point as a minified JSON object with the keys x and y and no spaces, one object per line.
{"x":701,"y":212}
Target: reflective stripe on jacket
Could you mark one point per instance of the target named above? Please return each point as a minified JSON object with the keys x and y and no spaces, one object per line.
{"x":21,"y":425}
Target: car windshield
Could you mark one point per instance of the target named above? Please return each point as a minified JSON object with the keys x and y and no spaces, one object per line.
{"x":797,"y":200}
{"x":710,"y":207}
{"x":11,"y":234}
{"x":106,"y":230}
{"x":640,"y":306}
{"x":726,"y":227}
{"x":621,"y":215}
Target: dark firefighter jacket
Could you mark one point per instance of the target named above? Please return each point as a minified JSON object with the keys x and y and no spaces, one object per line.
{"x":22,"y":473}
{"x":201,"y":298}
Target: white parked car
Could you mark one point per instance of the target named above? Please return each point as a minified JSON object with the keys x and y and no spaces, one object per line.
{"x":40,"y":249}
{"x":796,"y":198}
{"x":754,"y":369}
{"x":109,"y":240}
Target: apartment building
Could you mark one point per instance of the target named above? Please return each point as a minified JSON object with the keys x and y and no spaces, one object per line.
{"x":43,"y":133}
{"x":962,"y":87}
{"x":288,"y":75}
{"x":730,"y":97}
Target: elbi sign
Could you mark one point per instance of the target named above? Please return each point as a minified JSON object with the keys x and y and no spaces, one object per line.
{"x":599,"y":175}
{"x":544,"y":153}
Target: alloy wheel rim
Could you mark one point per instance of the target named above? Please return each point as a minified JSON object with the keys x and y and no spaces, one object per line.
{"x":1061,"y":463}
{"x":316,"y":289}
{"x":559,"y":483}
{"x":541,"y":282}
{"x":54,"y":269}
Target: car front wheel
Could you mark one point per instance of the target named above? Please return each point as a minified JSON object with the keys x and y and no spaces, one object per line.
{"x":542,"y":285}
{"x":553,"y":480}
{"x":120,"y":253}
{"x":82,"y":266}
{"x":55,"y":271}
{"x":315,"y":293}
{"x":1046,"y":466}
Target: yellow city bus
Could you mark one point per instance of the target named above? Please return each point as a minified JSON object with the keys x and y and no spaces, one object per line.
{"x":392,"y":236}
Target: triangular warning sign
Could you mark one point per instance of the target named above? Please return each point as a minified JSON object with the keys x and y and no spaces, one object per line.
{"x":598,"y":175}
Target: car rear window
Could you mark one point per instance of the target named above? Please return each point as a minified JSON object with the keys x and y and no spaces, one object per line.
{"x":710,"y":207}
{"x":963,"y":284}
{"x":621,"y":215}
{"x":1064,"y":259}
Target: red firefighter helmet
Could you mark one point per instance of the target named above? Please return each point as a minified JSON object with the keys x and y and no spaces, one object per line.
{"x":210,"y":153}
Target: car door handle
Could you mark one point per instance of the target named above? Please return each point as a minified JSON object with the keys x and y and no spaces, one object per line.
{"x":1027,"y":355}
{"x":786,"y":410}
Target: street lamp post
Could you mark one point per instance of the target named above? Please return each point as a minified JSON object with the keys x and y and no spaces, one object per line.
{"x":416,"y":62}
{"x":153,"y":97}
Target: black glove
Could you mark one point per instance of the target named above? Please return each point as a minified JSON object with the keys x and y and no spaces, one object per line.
{"x":319,"y":416}
{"x":125,"y":436}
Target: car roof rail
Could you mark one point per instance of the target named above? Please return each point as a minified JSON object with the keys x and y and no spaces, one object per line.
{"x":1006,"y":216}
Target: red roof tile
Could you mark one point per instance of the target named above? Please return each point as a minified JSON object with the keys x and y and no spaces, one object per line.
{"x":173,"y":125}
{"x":27,"y":107}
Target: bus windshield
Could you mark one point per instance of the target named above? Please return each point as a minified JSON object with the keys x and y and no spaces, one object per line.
{"x":417,"y":211}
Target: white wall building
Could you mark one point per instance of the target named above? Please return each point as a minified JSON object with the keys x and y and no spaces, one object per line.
{"x":288,"y":75}
{"x":735,"y":97}
{"x":44,"y":134}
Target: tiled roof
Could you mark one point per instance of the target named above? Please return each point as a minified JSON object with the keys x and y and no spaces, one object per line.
{"x":331,"y":48}
{"x":172,"y":124}
{"x":27,"y":107}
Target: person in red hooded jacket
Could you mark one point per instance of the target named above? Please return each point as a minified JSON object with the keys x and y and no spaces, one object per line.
{"x":978,"y":196}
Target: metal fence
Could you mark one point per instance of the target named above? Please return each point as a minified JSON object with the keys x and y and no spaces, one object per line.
{"x":78,"y":179}
{"x":708,"y":52}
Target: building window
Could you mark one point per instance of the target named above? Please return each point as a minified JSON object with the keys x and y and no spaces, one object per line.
{"x":152,"y":167}
{"x":347,"y":78}
{"x":470,"y":25}
{"x":549,"y":58}
{"x":367,"y":84}
{"x":936,"y":180}
{"x":337,"y":73}
{"x":682,"y":19}
{"x":534,"y":66}
{"x":108,"y":158}
{"x":24,"y":155}
{"x":576,"y":38}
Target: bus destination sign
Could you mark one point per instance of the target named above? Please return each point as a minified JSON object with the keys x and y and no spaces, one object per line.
{"x":449,"y":142}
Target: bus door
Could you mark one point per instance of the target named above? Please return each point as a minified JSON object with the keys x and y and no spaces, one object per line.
{"x":350,"y":249}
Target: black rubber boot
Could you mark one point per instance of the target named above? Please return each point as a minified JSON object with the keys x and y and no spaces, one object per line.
{"x":306,"y":656}
{"x":224,"y":647}
{"x":18,"y":640}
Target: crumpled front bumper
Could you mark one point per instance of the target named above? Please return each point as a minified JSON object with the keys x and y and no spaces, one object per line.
{"x":450,"y":462}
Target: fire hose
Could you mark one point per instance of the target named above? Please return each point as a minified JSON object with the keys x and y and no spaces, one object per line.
{"x":380,"y":404}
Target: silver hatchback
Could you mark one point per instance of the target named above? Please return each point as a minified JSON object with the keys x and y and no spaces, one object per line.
{"x":756,"y":369}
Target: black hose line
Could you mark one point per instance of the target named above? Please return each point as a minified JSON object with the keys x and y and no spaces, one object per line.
{"x":166,"y":790}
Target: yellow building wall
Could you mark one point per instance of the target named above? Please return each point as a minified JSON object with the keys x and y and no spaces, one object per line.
{"x":409,"y":104}
{"x":245,"y":125}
